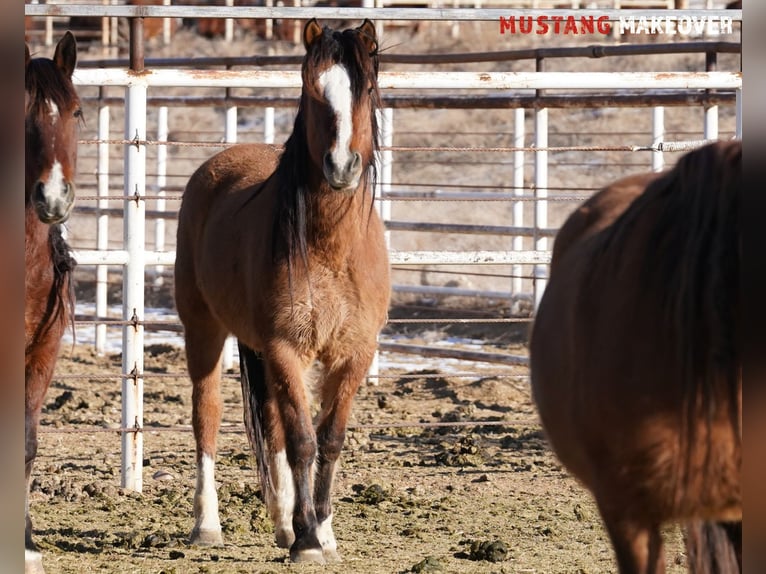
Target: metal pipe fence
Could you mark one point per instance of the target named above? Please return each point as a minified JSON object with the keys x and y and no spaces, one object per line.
{"x":476,"y":89}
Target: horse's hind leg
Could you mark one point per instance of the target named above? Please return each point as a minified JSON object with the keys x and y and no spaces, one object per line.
{"x":637,"y":547}
{"x":338,"y":392}
{"x":204,"y":339}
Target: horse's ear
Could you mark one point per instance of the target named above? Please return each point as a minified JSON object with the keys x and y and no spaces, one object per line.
{"x":26,"y":54}
{"x":368,"y":35}
{"x":311,"y":32}
{"x":65,"y":56}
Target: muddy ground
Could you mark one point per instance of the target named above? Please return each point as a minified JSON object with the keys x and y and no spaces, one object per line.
{"x":486,"y":496}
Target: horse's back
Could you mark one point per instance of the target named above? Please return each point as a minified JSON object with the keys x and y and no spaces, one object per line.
{"x":598,"y":212}
{"x":228,"y":172}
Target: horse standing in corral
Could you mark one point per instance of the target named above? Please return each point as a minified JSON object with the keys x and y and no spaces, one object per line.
{"x":52,"y":112}
{"x":288,"y":254}
{"x":635,"y":359}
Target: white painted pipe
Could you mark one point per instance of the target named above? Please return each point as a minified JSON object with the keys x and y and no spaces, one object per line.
{"x":518,"y":189}
{"x":133,"y":289}
{"x":102,"y":226}
{"x":161,"y":180}
{"x":166,"y":77}
{"x":541,"y":205}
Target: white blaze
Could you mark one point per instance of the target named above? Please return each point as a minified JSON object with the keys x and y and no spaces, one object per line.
{"x":336,"y":86}
{"x":54,"y":185}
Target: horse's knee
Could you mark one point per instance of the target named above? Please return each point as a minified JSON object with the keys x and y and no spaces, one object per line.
{"x":330,"y":444}
{"x":301,"y":450}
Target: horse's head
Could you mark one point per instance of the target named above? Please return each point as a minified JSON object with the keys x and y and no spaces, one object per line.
{"x":52,"y":112}
{"x":340,"y":96}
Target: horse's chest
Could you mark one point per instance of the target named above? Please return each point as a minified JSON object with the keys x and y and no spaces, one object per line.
{"x":326,"y":314}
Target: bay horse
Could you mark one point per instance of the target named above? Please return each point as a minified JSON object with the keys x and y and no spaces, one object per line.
{"x":635,"y":361}
{"x":287,"y":253}
{"x":52,"y":114}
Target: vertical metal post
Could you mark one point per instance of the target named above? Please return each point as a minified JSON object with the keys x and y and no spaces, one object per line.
{"x":518,"y":189}
{"x":658,"y":135}
{"x":738,"y":132}
{"x":102,"y":224}
{"x":229,"y":25}
{"x":166,"y":26}
{"x":268,"y":125}
{"x":162,"y":168}
{"x":229,"y":136}
{"x":269,"y":34}
{"x":541,"y":192}
{"x":711,"y":112}
{"x":133,"y":278}
{"x":385,"y":163}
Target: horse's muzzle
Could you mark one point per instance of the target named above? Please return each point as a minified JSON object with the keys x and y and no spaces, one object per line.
{"x":53,"y":206}
{"x":345,"y":177}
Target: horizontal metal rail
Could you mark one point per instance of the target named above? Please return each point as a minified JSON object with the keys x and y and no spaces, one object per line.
{"x":496,"y":230}
{"x":417,"y":80}
{"x":593,"y":51}
{"x":435,"y":101}
{"x":327,"y":13}
{"x":121,"y":257}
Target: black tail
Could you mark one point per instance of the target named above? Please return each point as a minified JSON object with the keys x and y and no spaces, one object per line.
{"x":254,"y":392}
{"x":714,"y":547}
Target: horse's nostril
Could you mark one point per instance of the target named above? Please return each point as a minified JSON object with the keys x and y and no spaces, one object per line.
{"x":328,"y":163}
{"x":356,"y":161}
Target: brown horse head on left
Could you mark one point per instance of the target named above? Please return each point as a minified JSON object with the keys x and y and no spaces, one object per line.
{"x":52,"y":112}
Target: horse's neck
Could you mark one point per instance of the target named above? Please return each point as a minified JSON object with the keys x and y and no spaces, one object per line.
{"x":36,"y":244}
{"x":337,"y":221}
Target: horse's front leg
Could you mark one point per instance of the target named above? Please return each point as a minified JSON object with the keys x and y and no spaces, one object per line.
{"x":204,"y":343}
{"x":338,"y":392}
{"x":33,"y":562}
{"x":37,"y":377}
{"x":285,"y":376}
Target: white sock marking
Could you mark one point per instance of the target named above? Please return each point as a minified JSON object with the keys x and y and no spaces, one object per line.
{"x":282,"y":504}
{"x":206,"y":498}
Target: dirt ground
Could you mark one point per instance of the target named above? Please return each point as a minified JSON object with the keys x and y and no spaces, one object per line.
{"x":483,"y":494}
{"x":479,"y":497}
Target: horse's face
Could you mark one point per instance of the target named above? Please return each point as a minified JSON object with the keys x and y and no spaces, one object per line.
{"x":340,"y":95}
{"x":52,"y":116}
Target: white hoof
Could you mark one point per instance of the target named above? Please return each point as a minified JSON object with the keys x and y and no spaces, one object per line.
{"x":313,"y":555}
{"x":33,"y":562}
{"x":206,"y":537}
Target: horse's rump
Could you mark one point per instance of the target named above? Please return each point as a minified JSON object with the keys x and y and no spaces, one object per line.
{"x":634,"y":349}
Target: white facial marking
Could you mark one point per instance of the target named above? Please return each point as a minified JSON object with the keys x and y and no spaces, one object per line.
{"x":336,"y":86}
{"x":54,"y":186}
{"x":54,"y":110}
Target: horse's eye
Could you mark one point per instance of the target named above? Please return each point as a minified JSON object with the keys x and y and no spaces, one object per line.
{"x":78,"y":113}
